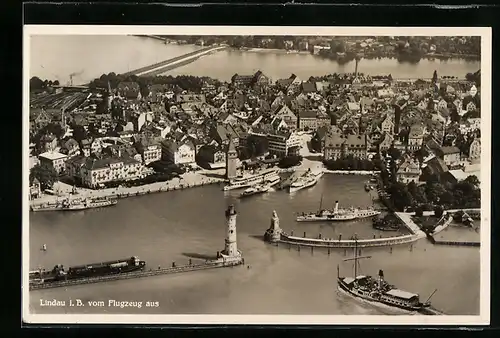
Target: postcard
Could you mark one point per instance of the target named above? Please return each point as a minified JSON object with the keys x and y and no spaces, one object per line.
{"x":256,"y":175}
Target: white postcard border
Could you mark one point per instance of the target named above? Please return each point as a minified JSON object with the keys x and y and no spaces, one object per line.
{"x":486,"y":44}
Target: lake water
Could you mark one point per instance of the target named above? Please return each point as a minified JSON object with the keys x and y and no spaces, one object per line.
{"x":88,"y":57}
{"x":166,"y":227}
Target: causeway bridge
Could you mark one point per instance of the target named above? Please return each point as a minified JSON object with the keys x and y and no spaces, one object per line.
{"x":164,"y":66}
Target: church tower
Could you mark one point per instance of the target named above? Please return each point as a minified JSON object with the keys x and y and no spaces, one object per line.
{"x":231,"y":248}
{"x":231,"y":160}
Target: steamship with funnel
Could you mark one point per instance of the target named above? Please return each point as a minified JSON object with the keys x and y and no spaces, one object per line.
{"x":378,"y":291}
{"x":307,"y":180}
{"x":268,"y":176}
{"x":337,"y":214}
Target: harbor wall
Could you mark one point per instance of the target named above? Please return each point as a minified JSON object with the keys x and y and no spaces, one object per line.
{"x":235,"y":261}
{"x":128,"y":192}
{"x":342,"y":244}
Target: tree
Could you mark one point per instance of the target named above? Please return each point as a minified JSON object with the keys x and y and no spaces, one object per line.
{"x":394,"y":153}
{"x":438,"y":211}
{"x":434,"y":77}
{"x":473,"y":180}
{"x":36,"y":83}
{"x":419,"y":211}
{"x":46,"y":175}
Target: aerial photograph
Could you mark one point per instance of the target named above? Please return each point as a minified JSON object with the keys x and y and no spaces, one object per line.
{"x":254,"y":175}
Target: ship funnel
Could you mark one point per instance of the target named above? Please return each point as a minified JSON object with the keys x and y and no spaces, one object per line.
{"x":336,"y":210}
{"x":380,"y":278}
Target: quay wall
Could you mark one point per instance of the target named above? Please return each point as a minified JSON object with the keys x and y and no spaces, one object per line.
{"x":140,"y":274}
{"x":457,"y":243}
{"x":129,"y":192}
{"x":342,"y":244}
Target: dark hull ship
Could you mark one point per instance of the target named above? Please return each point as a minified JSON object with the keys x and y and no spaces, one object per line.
{"x":58,"y":273}
{"x":378,"y":291}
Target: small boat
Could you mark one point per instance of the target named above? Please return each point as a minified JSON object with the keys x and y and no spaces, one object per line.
{"x":44,"y":247}
{"x":254,"y":190}
{"x":367,"y":187}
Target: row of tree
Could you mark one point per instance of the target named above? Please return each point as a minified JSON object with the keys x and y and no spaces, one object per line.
{"x":459,"y":195}
{"x":38,"y":84}
{"x":184,"y":82}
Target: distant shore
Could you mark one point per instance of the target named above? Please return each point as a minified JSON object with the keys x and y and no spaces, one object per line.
{"x":275,"y":51}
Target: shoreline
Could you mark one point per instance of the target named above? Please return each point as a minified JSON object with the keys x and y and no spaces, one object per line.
{"x":274,"y":50}
{"x":189,"y":180}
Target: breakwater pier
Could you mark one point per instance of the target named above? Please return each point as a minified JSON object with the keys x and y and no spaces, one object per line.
{"x":276,"y":235}
{"x":229,"y":257}
{"x":140,"y":274}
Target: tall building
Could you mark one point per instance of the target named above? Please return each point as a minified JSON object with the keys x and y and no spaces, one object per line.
{"x":231,"y":160}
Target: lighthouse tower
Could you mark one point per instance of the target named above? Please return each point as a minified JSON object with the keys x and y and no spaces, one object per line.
{"x":231,"y":248}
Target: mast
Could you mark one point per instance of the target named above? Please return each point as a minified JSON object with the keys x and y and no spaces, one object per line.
{"x":355,"y":256}
{"x":432,"y":294}
{"x":321,"y":202}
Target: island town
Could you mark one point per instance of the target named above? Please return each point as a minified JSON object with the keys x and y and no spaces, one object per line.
{"x":416,"y":141}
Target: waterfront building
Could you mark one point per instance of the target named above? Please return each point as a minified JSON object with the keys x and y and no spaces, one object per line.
{"x":35,"y":189}
{"x":408,"y":172}
{"x":54,"y":160}
{"x":96,"y":172}
{"x":74,"y":166}
{"x":282,"y":143}
{"x":231,"y":161}
{"x":339,"y":146}
{"x":450,"y":155}
{"x":149,"y":149}
{"x":178,"y":152}
{"x":212,"y":155}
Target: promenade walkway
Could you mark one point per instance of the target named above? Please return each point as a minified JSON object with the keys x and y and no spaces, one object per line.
{"x":187,"y":180}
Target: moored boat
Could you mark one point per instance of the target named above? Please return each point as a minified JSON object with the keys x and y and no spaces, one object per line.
{"x":378,"y":291}
{"x":336,"y":214}
{"x":252,"y":179}
{"x":308,"y":180}
{"x":75,"y":204}
{"x":259,"y":188}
